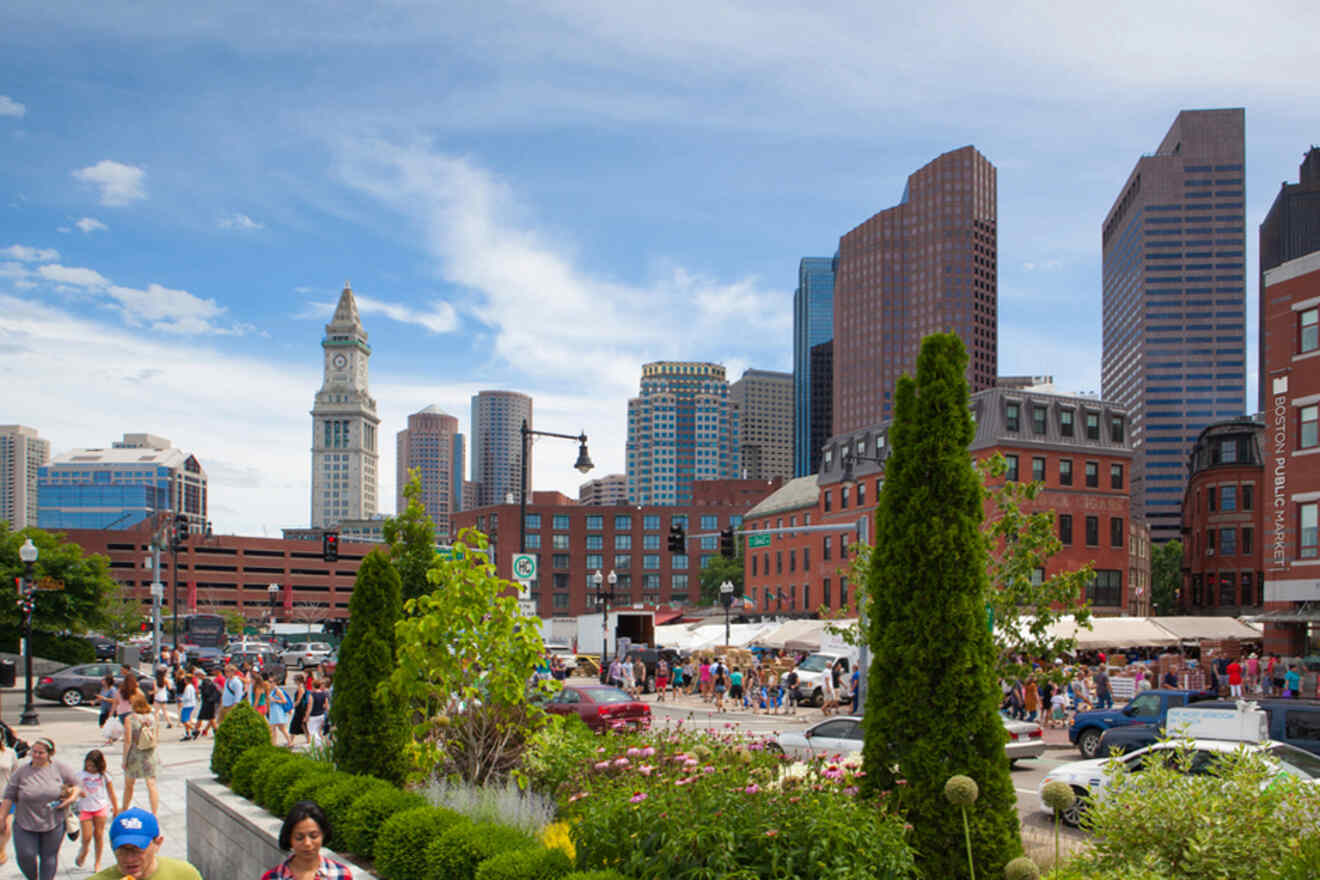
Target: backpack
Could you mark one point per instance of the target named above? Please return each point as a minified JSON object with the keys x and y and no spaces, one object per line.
{"x":147,"y":738}
{"x":210,"y":693}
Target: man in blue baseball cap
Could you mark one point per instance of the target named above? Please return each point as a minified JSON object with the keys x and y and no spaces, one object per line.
{"x":136,"y":839}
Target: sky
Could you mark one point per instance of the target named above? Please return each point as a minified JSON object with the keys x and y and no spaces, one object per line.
{"x":543,"y":197}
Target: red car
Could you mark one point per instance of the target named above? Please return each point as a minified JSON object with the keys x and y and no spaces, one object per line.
{"x":602,"y":707}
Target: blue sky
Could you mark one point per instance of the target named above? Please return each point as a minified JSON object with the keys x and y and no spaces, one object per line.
{"x":544,"y":196}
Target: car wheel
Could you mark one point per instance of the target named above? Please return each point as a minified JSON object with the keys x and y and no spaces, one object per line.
{"x":1072,"y":817}
{"x":817,"y":698}
{"x":72,"y":697}
{"x":774,"y":748}
{"x":1088,"y":743}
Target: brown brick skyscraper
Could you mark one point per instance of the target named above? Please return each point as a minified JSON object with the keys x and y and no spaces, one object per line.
{"x":924,"y":266}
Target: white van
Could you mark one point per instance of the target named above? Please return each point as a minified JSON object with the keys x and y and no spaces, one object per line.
{"x":813,"y":669}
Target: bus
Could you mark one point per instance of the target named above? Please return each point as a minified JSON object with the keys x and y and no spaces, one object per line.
{"x":203,"y":630}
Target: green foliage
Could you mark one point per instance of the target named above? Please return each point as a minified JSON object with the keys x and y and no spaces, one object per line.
{"x":241,"y":730}
{"x":370,"y":729}
{"x":556,"y":751}
{"x":456,"y":854}
{"x":595,"y":875}
{"x":50,"y":646}
{"x":79,"y":606}
{"x":363,"y":820}
{"x":465,"y":655}
{"x":124,"y":615}
{"x":243,"y":775}
{"x":1237,"y":818}
{"x":339,"y":794}
{"x":1302,"y":862}
{"x":411,"y":538}
{"x":929,"y":575}
{"x":269,"y":788}
{"x":401,"y":844}
{"x":305,"y":787}
{"x":720,"y":569}
{"x":533,"y":863}
{"x":1165,"y":576}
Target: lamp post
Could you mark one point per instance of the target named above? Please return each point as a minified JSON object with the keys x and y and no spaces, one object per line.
{"x":176,"y":544}
{"x":28,"y":553}
{"x":274,"y":592}
{"x":603,"y":598}
{"x":583,"y":464}
{"x":726,"y":599}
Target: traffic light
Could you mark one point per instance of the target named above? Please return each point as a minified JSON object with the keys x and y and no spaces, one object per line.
{"x":677,"y":539}
{"x":330,"y":546}
{"x":726,"y":543}
{"x":180,"y":532}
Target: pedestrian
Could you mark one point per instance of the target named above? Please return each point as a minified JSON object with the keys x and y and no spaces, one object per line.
{"x":1234,"y":670}
{"x":280,"y":706}
{"x":39,"y":793}
{"x":319,"y":698}
{"x":1031,"y":699}
{"x":233,"y":693}
{"x":789,"y":693}
{"x":626,"y":680}
{"x":1253,"y":674}
{"x":1277,"y":677}
{"x":106,"y":697}
{"x":704,"y":675}
{"x":719,"y":683}
{"x":676,"y":681}
{"x":161,"y":698}
{"x":1058,"y":708}
{"x":97,"y":805}
{"x":259,"y":695}
{"x":185,"y":685}
{"x":304,"y":832}
{"x":1104,"y":696}
{"x":210,"y":695}
{"x":856,"y":688}
{"x":298,"y":723}
{"x":8,"y":764}
{"x":1292,"y":683}
{"x":616,"y":672}
{"x":751,"y":685}
{"x":661,"y":679}
{"x":141,"y":736}
{"x":828,"y":696}
{"x":128,"y":686}
{"x":736,"y":686}
{"x":136,"y":840}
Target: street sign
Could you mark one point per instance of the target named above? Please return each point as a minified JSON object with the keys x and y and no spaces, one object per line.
{"x":527,"y":607}
{"x":50,"y":583}
{"x":448,"y":553}
{"x":726,"y":587}
{"x":758,"y":540}
{"x":524,"y":567}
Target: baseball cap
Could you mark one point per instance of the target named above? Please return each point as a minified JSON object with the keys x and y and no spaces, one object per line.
{"x":134,"y":827}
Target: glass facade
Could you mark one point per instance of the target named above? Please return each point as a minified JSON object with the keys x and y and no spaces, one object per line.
{"x":813,"y":324}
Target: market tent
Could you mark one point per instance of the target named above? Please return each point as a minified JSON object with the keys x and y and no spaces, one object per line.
{"x":1114,"y":632}
{"x":793,"y":635}
{"x":1193,"y":629}
{"x":679,"y":636}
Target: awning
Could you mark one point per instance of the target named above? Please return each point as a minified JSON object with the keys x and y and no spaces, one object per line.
{"x":1114,"y":632}
{"x":794,"y":635}
{"x":1307,"y":612}
{"x":1194,"y":629}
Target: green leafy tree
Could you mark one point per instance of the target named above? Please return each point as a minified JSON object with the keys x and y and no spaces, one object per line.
{"x":79,"y":605}
{"x":718,"y":570}
{"x":411,"y":539}
{"x":124,"y":615}
{"x":465,"y":656}
{"x":933,"y":695}
{"x":1166,"y":576}
{"x":370,"y":728}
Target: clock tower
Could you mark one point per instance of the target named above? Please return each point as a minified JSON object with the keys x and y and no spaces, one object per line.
{"x":345,"y":457}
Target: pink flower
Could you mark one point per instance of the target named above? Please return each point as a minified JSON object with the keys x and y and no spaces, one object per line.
{"x":707,"y":769}
{"x":772,"y":833}
{"x":646,"y":769}
{"x":752,"y":789}
{"x":602,"y":765}
{"x":850,"y":790}
{"x":648,"y":752}
{"x":637,"y":797}
{"x":600,"y":749}
{"x":633,"y":752}
{"x":621,"y":762}
{"x":684,"y":781}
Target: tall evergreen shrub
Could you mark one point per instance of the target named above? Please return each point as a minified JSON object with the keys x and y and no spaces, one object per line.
{"x":932,"y":699}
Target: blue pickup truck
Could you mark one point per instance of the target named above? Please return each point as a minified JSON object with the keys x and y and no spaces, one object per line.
{"x":1147,"y":707}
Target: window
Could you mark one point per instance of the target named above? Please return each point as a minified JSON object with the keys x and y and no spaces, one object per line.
{"x":843,"y":592}
{"x":825,"y":552}
{"x":623,"y":542}
{"x":754,"y":565}
{"x":561,"y":580}
{"x":1228,"y":498}
{"x":1116,"y":429}
{"x":560,"y":600}
{"x":1308,"y":330}
{"x":559,"y":542}
{"x":828,"y":499}
{"x":1246,"y":586}
{"x":650,"y":542}
{"x":622,"y":561}
{"x":1092,"y":531}
{"x":1226,"y":588}
{"x":1228,"y":450}
{"x":1092,"y":474}
{"x":560,"y":560}
{"x":709,"y":522}
{"x":595,"y":561}
{"x":1106,"y":589}
{"x":1309,"y":436}
{"x":1038,"y":414}
{"x":1012,"y":472}
{"x":1065,"y":529}
{"x":792,"y":560}
{"x":1247,"y":537}
{"x":1116,"y":476}
{"x":779,"y":562}
{"x":1309,"y":543}
{"x":651,"y":522}
{"x":1066,"y":422}
{"x":806,"y":559}
{"x":595,"y":523}
{"x":532,"y":522}
{"x":623,"y":523}
{"x":1038,"y":468}
{"x":1228,"y":542}
{"x":825,"y":585}
{"x":533,"y":542}
{"x":651,"y":560}
{"x":1247,"y":499}
{"x":1210,"y":542}
{"x":595,"y":542}
{"x":680,"y":560}
{"x":1212,"y":497}
{"x":680,"y":521}
{"x":1092,"y":426}
{"x":1012,"y":415}
{"x":560,"y":522}
{"x":678,"y":583}
{"x":1116,"y":531}
{"x":1065,"y":471}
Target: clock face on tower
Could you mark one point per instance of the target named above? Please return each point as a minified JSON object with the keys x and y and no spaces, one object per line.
{"x":339,"y":361}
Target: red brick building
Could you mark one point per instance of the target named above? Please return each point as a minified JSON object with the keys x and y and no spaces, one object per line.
{"x":1221,"y":517}
{"x":1290,"y":306}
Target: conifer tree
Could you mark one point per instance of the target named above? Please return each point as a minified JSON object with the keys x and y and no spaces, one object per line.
{"x":369,"y":728}
{"x":932,"y":698}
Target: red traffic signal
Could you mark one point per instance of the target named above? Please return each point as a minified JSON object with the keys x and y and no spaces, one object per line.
{"x":330,"y":546}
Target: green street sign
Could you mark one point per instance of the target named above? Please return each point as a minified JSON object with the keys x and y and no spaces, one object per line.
{"x":758,"y":540}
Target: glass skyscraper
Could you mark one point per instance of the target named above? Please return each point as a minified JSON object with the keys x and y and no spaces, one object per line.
{"x":1174,"y":302}
{"x":813,"y":324}
{"x":497,"y":418}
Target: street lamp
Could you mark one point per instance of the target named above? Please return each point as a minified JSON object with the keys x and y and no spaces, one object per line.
{"x":28,"y":553}
{"x":603,"y":598}
{"x":274,"y":592}
{"x":583,"y":464}
{"x":177,"y":541}
{"x":726,"y":599}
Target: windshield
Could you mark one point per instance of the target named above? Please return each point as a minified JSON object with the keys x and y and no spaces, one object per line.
{"x":815,"y":663}
{"x":606,"y":695}
{"x":1301,"y":762}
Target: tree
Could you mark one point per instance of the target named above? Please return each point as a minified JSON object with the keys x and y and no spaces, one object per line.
{"x":718,"y":570}
{"x":465,"y":656}
{"x":124,"y":615}
{"x":411,"y":538}
{"x":933,"y":693}
{"x":370,"y":728}
{"x":79,"y":605}
{"x":1166,"y":576}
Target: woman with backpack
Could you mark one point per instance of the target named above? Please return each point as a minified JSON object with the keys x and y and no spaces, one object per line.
{"x":141,"y":736}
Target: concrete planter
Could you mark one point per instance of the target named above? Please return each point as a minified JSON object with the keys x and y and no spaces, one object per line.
{"x":231,"y":838}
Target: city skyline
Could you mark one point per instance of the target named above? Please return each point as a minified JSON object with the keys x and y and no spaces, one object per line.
{"x":544,"y":210}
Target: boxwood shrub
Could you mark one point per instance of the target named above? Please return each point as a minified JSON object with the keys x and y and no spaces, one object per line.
{"x":402,"y":841}
{"x":456,"y":854}
{"x":306,"y":787}
{"x":339,"y":794}
{"x":243,"y":775}
{"x":241,"y":730}
{"x":535,"y":863}
{"x":269,"y":789}
{"x":363,"y":821}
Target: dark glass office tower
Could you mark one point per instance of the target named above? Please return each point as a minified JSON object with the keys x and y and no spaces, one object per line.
{"x":1174,"y":302}
{"x":813,"y":324}
{"x":1291,"y":230}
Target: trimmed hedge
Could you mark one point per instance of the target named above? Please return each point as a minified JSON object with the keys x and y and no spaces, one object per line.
{"x":305,"y":788}
{"x":269,"y":789}
{"x":401,"y":844}
{"x":536,"y":863}
{"x":241,"y":730}
{"x":458,"y":852}
{"x":595,"y":875}
{"x":368,"y":813}
{"x":339,"y":795}
{"x":244,"y":773}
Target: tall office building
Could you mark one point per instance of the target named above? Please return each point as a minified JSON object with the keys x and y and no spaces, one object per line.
{"x":1291,"y":230}
{"x":680,"y":428}
{"x":763,"y":403}
{"x":22,"y":453}
{"x":1174,"y":303}
{"x":497,"y":418}
{"x":117,"y":488}
{"x":606,"y":491}
{"x":345,"y":457}
{"x":432,"y":445}
{"x":813,"y":325}
{"x":926,"y":265}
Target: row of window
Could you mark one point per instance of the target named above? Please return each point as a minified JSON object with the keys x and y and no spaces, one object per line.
{"x":1224,"y":542}
{"x":1067,"y":427}
{"x":1091,"y":531}
{"x":764,"y":559}
{"x":1228,"y":498}
{"x":560,"y":522}
{"x":1091,"y":471}
{"x":1222,"y":588}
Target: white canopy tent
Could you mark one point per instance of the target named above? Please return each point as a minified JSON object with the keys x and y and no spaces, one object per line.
{"x":1114,"y":632}
{"x":1193,"y":629}
{"x":794,"y":635}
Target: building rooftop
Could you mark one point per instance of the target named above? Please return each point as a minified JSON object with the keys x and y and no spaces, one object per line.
{"x":797,"y":493}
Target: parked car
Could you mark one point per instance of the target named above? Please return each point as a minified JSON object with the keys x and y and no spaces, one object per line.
{"x":602,"y":707}
{"x":208,"y":659}
{"x":104,"y":647}
{"x":563,"y":651}
{"x":843,"y":734}
{"x":263,"y":660}
{"x":1147,"y":707}
{"x":1296,"y":722}
{"x":305,"y":654}
{"x":75,"y":685}
{"x":650,"y":657}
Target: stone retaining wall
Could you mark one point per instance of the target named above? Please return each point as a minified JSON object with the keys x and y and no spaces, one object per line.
{"x":231,"y":838}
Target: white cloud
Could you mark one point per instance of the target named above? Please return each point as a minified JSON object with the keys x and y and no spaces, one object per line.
{"x":25,"y":254}
{"x":10,"y":107}
{"x":90,"y":224}
{"x":171,"y":311}
{"x":441,"y":318}
{"x":74,"y":275}
{"x":240,"y":221}
{"x":119,"y":183}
